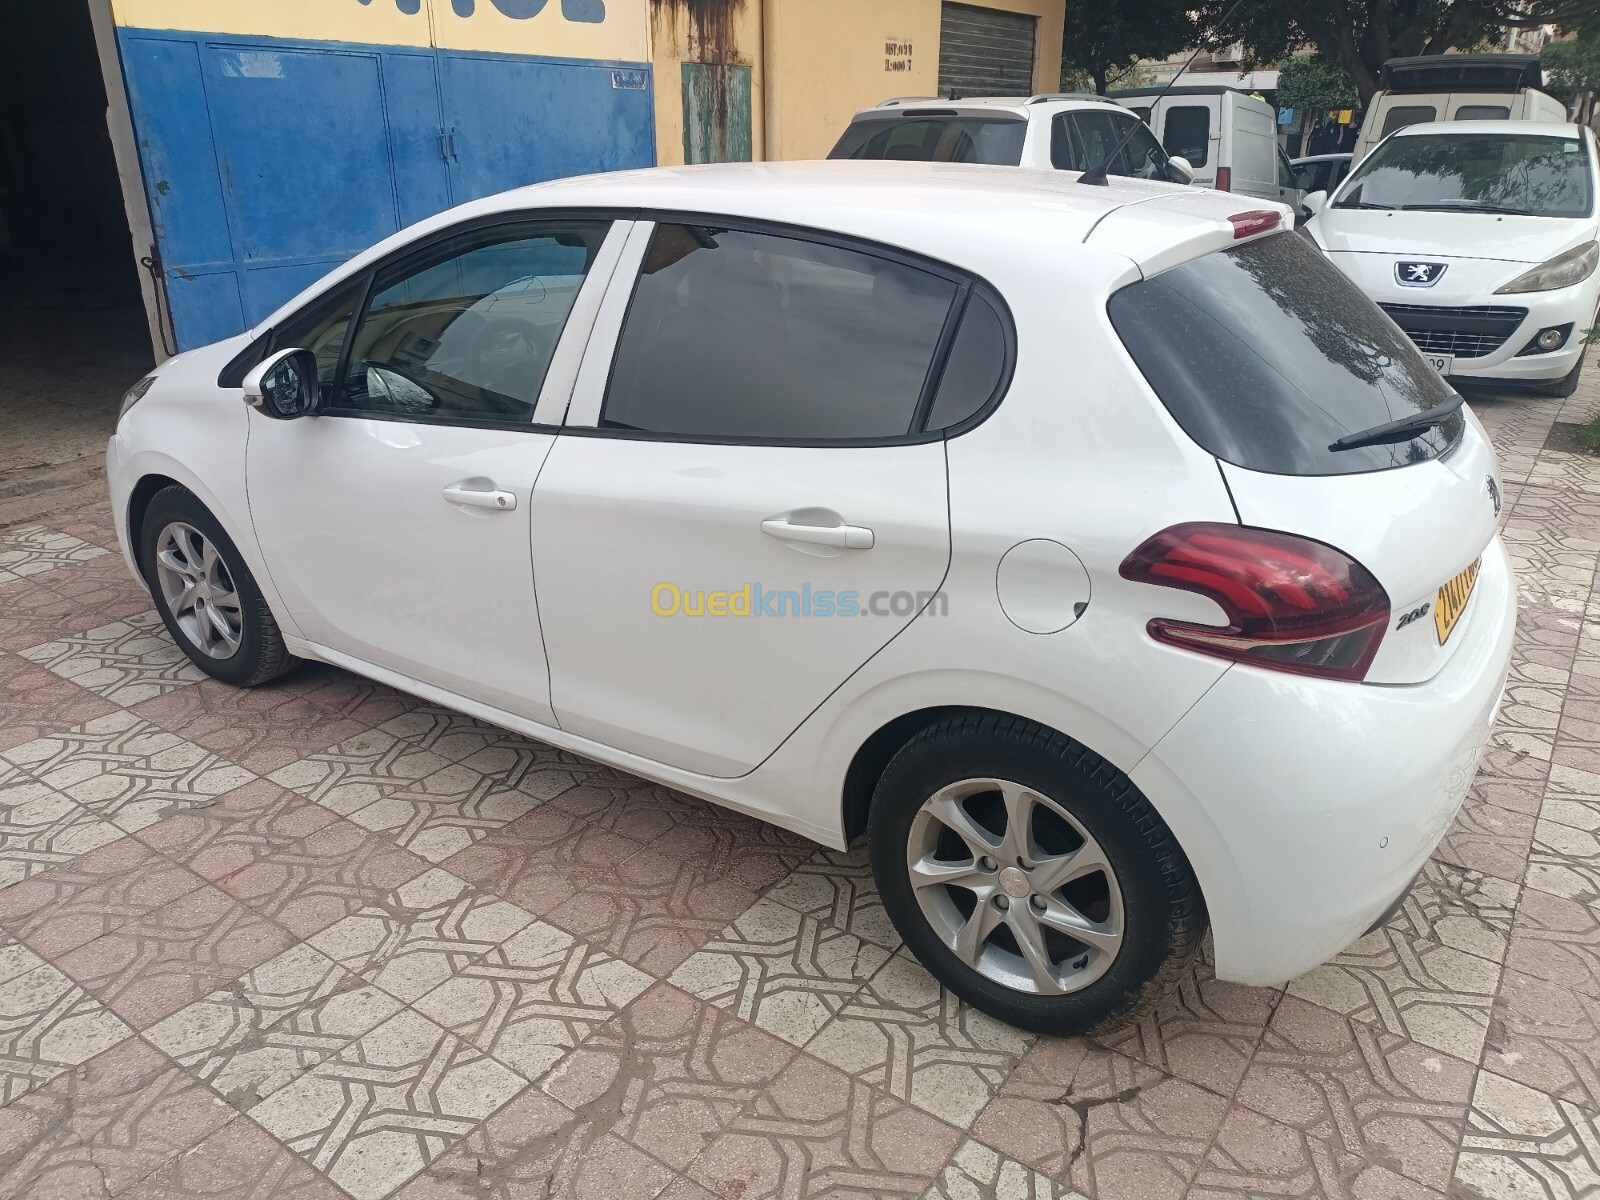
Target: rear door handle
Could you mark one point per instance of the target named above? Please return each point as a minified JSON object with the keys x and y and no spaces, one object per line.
{"x":503,"y":501}
{"x":850,"y":537}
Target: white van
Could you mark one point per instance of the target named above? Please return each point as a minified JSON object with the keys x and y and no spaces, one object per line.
{"x":1457,"y":87}
{"x":1229,"y":137}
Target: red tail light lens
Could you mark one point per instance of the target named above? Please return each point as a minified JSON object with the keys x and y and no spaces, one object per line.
{"x":1224,"y":179}
{"x":1292,"y":604}
{"x":1257,"y":220}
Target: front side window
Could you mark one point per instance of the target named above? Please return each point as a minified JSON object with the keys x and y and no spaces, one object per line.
{"x":996,"y":141}
{"x":1285,"y":171}
{"x":1312,"y":177}
{"x":1187,"y":133}
{"x":1080,"y":141}
{"x":1407,"y":114}
{"x":1266,"y":355}
{"x":321,"y":329}
{"x":733,"y":335}
{"x":1515,"y":173}
{"x":465,"y":331}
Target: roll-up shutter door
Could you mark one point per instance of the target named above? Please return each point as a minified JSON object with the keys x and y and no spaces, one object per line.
{"x":985,"y":52}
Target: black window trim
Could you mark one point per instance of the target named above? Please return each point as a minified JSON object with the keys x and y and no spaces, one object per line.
{"x":966,"y":282}
{"x":361,"y":283}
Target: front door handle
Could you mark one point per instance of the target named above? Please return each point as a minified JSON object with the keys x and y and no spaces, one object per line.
{"x":459,"y":494}
{"x":850,"y":537}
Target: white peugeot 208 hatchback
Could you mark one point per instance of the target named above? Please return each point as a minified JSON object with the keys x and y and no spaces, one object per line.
{"x":1099,"y":552}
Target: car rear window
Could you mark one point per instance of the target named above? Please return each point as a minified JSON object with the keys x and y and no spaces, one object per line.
{"x":1266,"y":355}
{"x":1187,"y":133}
{"x":936,"y":137}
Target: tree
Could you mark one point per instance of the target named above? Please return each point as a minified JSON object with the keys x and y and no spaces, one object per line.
{"x":1313,"y":84}
{"x":1105,"y":39}
{"x":1574,"y":66}
{"x":1361,"y":35}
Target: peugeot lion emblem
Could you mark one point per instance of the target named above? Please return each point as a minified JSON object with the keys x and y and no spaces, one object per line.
{"x":1418,"y":274}
{"x":1494,"y":494}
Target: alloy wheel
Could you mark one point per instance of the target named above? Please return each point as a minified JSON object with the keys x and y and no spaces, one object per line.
{"x":1015,"y":886}
{"x":199,"y":591}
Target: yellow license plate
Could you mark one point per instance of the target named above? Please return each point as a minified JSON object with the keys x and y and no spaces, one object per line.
{"x":1452,"y":601}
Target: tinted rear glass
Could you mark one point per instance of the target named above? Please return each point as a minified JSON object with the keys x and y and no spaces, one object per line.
{"x":1266,"y":354}
{"x":933,"y":138}
{"x":1410,"y":114}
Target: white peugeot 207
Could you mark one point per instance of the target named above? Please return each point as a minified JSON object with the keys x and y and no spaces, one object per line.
{"x":1099,"y":552}
{"x":1479,"y":239}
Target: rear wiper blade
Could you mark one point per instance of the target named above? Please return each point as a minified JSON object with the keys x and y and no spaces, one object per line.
{"x":1402,"y":430}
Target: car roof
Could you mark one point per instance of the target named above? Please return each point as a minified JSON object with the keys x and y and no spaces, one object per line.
{"x":1563,"y":129}
{"x":1049,"y":101}
{"x":978,"y":218}
{"x":1311,"y":158}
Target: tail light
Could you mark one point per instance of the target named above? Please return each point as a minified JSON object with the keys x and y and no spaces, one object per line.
{"x":1257,"y":220}
{"x":1224,"y":179}
{"x":1292,"y":604}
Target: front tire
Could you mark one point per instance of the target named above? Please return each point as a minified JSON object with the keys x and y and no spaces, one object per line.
{"x":1031,"y":877}
{"x":205,"y":593}
{"x":1566,"y":385}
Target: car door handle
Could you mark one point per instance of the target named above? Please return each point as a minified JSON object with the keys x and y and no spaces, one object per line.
{"x":851,"y":537}
{"x":458,"y":494}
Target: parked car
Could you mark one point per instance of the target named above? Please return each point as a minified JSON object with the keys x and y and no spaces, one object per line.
{"x":1320,"y":172}
{"x":1479,"y":239}
{"x":1107,"y":571}
{"x":1456,"y":87}
{"x":1064,"y":132}
{"x":1228,"y":137}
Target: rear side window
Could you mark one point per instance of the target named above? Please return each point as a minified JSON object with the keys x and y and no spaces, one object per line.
{"x":1483,"y":112}
{"x":1266,"y":354}
{"x":996,"y":141}
{"x":734,"y":335}
{"x":1187,"y":133}
{"x":1406,"y":114}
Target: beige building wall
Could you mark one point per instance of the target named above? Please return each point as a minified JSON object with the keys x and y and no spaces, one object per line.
{"x":816,"y":63}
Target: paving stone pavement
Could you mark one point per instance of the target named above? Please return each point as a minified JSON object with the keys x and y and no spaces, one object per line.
{"x":323,"y":940}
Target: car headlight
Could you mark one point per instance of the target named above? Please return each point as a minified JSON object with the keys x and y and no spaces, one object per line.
{"x":1563,"y":270}
{"x":135,"y":394}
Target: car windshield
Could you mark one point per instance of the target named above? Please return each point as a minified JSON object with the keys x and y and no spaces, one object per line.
{"x":1266,"y":355}
{"x":1507,"y":173}
{"x":936,"y":137}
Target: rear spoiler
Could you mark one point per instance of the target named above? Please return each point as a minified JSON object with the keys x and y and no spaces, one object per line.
{"x":1463,"y":73}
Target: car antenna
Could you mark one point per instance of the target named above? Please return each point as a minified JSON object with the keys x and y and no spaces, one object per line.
{"x":1096,"y":176}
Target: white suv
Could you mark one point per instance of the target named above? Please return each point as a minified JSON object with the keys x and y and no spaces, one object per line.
{"x":1060,"y":132}
{"x":1101,"y":553}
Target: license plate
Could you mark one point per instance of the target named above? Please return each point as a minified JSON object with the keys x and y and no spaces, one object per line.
{"x":1441,"y":363}
{"x":1452,"y":599}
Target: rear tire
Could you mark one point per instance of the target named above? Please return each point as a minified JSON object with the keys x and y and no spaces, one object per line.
{"x":1141,"y":912}
{"x":205,"y":593}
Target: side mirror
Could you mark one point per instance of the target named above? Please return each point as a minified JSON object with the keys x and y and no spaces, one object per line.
{"x":1179,"y":170}
{"x":285,"y":386}
{"x":1314,"y":202}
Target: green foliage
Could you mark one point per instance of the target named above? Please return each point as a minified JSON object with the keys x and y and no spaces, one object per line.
{"x":1574,"y":65}
{"x":1311,"y":83}
{"x":1360,"y":35}
{"x":1589,"y":436}
{"x":1105,"y":39}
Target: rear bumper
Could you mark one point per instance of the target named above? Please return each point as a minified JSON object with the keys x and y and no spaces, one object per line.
{"x":1306,"y":807}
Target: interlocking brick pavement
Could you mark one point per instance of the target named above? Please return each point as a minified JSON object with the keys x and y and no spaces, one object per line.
{"x":323,"y":939}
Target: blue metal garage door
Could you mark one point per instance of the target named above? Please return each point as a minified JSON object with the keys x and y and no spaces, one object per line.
{"x":267,"y":162}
